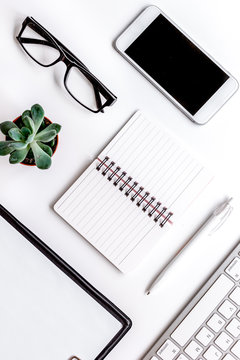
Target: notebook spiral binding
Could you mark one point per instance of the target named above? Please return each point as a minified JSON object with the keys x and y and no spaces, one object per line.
{"x":123,"y":181}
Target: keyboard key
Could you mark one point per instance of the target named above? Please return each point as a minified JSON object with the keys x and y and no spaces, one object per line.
{"x":234,"y":327}
{"x":204,"y":336}
{"x":236,"y":349}
{"x":235,"y":296}
{"x":228,"y":357}
{"x":212,"y":353}
{"x":168,"y":350}
{"x":153,"y":358}
{"x":181,"y":357}
{"x":238,"y":314}
{"x":227,"y":309}
{"x":234,"y":269}
{"x":216,"y":322}
{"x":224,"y":341}
{"x":202,"y":310}
{"x":193,"y":350}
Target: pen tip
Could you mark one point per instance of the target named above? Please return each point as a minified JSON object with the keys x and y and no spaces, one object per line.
{"x":148,"y":292}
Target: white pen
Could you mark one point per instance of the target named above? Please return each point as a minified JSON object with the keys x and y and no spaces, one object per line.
{"x":212,"y":224}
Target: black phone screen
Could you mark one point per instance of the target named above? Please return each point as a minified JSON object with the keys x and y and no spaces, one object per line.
{"x":176,"y":64}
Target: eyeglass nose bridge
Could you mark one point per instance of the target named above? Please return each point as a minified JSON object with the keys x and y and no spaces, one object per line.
{"x":66,"y":60}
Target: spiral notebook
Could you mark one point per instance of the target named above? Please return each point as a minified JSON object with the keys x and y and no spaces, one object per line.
{"x":133,"y":192}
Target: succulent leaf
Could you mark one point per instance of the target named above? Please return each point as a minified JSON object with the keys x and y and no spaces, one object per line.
{"x":42,"y":159}
{"x":53,"y":126}
{"x":45,"y":135}
{"x":26,"y":113}
{"x":30,"y":139}
{"x":18,"y":156}
{"x":45,"y":148}
{"x":5,"y":148}
{"x":51,"y":143}
{"x":37,"y":113}
{"x":28,"y":122}
{"x":16,"y":134}
{"x":6,"y":126}
{"x":26,"y":132}
{"x":18,"y":145}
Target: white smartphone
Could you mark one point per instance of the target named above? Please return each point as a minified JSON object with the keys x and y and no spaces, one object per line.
{"x":176,"y":65}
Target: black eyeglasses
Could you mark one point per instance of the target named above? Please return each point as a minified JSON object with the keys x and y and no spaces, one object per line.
{"x":81,"y":84}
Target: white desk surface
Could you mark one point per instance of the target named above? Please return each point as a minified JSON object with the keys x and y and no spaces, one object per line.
{"x":89,"y":28}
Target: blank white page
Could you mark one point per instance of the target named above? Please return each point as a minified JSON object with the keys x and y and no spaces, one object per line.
{"x":44,"y":314}
{"x":110,"y":219}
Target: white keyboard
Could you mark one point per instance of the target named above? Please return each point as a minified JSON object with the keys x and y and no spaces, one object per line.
{"x":209,"y":327}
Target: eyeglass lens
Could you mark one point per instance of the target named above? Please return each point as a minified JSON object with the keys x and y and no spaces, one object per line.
{"x":81,"y":88}
{"x":45,"y":54}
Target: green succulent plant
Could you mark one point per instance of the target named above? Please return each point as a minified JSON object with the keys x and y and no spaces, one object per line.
{"x":31,"y":138}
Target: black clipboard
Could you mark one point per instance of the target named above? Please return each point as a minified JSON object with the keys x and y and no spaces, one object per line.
{"x":77,"y":278}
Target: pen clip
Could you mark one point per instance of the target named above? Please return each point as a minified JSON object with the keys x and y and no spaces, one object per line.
{"x":222,"y":207}
{"x":222,"y":220}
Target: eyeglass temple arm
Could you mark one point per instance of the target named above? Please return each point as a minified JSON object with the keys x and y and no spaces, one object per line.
{"x":98,"y":99}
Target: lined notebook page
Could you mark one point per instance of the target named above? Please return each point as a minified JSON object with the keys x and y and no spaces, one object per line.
{"x":153,"y":164}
